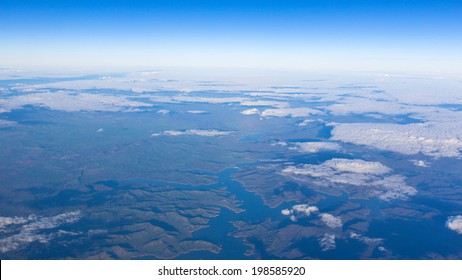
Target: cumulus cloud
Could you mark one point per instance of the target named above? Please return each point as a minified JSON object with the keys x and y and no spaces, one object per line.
{"x":437,"y":139}
{"x":304,"y":209}
{"x":299,"y":209}
{"x":253,"y":111}
{"x":331,"y":221}
{"x":455,"y":223}
{"x":22,"y":231}
{"x":372,"y":177}
{"x":197,"y":112}
{"x":315,"y":147}
{"x":327,"y":242}
{"x":289,"y":112}
{"x":197,"y":132}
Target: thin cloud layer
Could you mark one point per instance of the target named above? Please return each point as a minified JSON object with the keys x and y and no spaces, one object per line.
{"x":290,"y":112}
{"x":197,"y":132}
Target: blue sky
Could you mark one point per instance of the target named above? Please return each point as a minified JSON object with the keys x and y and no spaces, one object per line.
{"x":292,"y":34}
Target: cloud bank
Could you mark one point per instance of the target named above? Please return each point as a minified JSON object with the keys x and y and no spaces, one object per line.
{"x":432,"y":139}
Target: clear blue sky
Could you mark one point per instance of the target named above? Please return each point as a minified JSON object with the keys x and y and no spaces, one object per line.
{"x":312,"y":34}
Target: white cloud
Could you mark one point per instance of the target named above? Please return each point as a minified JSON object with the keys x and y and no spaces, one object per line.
{"x":197,"y":112}
{"x":357,"y":166}
{"x":265,"y":103}
{"x":99,"y":130}
{"x":303,"y":209}
{"x":212,"y":100}
{"x":197,"y":132}
{"x":420,"y":163}
{"x":163,"y":112}
{"x":327,"y":242}
{"x":253,"y":111}
{"x":279,"y":143}
{"x":371,"y":177}
{"x":366,"y":240}
{"x":338,"y":165}
{"x":331,"y":221}
{"x":432,"y":139}
{"x":305,"y":122}
{"x":455,"y":223}
{"x":315,"y":147}
{"x":289,"y":112}
{"x":32,"y":229}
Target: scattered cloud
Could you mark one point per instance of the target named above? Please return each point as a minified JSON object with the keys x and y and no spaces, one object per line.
{"x":279,"y":143}
{"x":197,"y":132}
{"x":305,"y":122}
{"x":265,"y":103}
{"x":331,"y":221}
{"x":316,"y":147}
{"x":327,"y":242}
{"x":253,"y":111}
{"x":22,"y":231}
{"x":455,"y":223}
{"x":304,"y":209}
{"x":163,"y":112}
{"x":300,"y":209}
{"x":289,"y":112}
{"x":420,"y":163}
{"x":99,"y":130}
{"x":366,"y":240}
{"x":197,"y":112}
